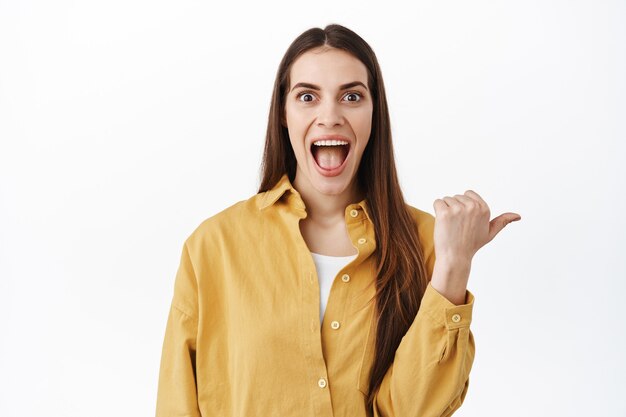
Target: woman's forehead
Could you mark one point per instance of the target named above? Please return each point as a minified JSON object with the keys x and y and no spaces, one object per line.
{"x":327,"y":68}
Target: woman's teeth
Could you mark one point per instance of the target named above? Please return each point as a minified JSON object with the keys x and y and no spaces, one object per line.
{"x":330,"y":142}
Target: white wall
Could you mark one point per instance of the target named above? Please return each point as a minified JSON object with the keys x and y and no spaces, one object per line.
{"x":124,"y":124}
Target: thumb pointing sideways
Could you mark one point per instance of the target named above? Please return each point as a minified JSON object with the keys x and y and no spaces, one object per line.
{"x":498,"y":223}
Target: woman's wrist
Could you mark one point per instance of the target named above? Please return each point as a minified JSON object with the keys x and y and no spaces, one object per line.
{"x":450,"y":279}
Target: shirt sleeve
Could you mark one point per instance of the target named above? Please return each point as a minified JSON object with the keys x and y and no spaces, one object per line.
{"x":177,"y":393}
{"x":429,"y":376}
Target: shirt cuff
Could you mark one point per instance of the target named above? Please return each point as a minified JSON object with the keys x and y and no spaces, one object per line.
{"x":446,"y":313}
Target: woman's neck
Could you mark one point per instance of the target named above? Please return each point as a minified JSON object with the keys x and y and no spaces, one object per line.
{"x":326,"y":209}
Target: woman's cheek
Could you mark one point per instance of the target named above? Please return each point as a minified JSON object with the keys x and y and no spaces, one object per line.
{"x":363,"y":124}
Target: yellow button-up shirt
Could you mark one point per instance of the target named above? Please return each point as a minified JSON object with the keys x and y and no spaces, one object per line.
{"x":244,"y":338}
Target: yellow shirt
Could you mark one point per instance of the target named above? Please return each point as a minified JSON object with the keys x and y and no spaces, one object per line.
{"x":243,"y":336}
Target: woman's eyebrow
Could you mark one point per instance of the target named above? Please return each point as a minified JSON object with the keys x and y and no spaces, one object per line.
{"x":341,"y":87}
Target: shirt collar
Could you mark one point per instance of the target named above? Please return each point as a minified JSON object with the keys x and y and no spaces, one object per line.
{"x":283,"y":185}
{"x":272,"y":196}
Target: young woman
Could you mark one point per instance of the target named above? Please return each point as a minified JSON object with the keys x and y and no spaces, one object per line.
{"x":321,"y":295}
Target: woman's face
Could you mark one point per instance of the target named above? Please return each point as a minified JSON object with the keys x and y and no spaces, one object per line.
{"x":328,"y":113}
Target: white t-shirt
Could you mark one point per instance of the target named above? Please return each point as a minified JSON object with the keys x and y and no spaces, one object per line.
{"x":327,"y":269}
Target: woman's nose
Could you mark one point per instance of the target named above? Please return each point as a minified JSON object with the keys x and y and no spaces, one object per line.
{"x":330,"y":115}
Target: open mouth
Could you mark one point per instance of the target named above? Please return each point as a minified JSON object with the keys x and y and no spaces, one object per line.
{"x":330,"y":154}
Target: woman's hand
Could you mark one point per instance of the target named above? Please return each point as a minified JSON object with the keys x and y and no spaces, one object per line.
{"x":462,"y":227}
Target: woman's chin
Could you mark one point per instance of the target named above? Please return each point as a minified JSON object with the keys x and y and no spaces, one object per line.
{"x":335,"y":185}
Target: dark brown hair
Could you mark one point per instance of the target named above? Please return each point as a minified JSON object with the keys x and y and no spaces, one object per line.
{"x":401,"y":277}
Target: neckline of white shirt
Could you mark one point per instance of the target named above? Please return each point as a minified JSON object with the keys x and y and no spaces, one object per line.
{"x":332,"y":258}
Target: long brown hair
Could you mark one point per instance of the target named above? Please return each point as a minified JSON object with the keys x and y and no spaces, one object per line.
{"x":401,"y":277}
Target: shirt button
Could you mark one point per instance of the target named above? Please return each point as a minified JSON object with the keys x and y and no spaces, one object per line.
{"x":354,"y":213}
{"x":362,"y":241}
{"x":456,"y":318}
{"x":321,"y":383}
{"x":334,"y":325}
{"x":345,"y":278}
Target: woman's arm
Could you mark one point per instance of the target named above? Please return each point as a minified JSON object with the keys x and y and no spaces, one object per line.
{"x":176,"y":394}
{"x":429,"y":376}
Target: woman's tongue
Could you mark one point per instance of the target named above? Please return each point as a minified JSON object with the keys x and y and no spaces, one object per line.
{"x":329,"y":157}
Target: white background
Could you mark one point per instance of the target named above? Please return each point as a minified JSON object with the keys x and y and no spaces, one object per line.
{"x":124,"y":124}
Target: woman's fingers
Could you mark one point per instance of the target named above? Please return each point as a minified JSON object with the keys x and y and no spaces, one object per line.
{"x":464,"y":225}
{"x":439,"y":205}
{"x":473,"y":194}
{"x":452,"y":202}
{"x":498,"y":223}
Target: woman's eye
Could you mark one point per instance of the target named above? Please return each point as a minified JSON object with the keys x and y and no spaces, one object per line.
{"x":300,"y":96}
{"x":357,"y":95}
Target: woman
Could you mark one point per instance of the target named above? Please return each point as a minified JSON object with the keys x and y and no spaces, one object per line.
{"x":321,"y":294}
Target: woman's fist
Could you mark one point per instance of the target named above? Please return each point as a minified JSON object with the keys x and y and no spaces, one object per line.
{"x":462,"y":226}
